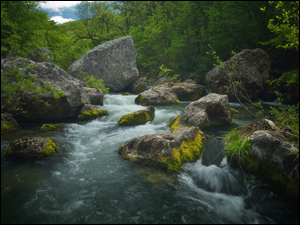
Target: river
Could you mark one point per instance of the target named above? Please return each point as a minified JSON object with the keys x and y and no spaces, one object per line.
{"x":88,"y":182}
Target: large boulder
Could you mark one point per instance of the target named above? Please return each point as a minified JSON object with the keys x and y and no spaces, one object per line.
{"x":139,"y":117}
{"x":157,"y":96}
{"x":273,"y":158}
{"x":96,"y":95}
{"x":114,"y":62}
{"x":40,"y":55}
{"x":8,"y":123}
{"x":47,"y":73}
{"x":212,"y":109}
{"x":31,"y":148}
{"x":253,"y":68}
{"x":168,"y":150}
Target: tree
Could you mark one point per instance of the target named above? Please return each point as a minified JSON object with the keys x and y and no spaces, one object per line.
{"x":22,"y":27}
{"x":285,"y":25}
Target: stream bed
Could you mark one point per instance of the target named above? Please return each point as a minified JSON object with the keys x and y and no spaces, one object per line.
{"x":88,"y":182}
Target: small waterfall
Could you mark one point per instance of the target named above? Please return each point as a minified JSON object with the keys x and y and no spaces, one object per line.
{"x":207,"y":90}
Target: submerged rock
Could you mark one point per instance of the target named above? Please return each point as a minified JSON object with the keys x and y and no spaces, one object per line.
{"x":168,"y":150}
{"x":139,"y":117}
{"x":31,"y":148}
{"x":8,"y":123}
{"x":90,"y":112}
{"x":114,"y":62}
{"x":212,"y":109}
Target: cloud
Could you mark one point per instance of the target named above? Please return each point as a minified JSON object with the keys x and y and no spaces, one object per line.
{"x":58,"y":5}
{"x":60,"y":19}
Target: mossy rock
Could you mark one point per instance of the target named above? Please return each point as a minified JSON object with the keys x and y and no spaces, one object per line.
{"x":126,"y":93}
{"x":188,"y":151}
{"x":51,"y":127}
{"x":139,"y":117}
{"x":174,"y":125}
{"x":291,"y":186}
{"x":168,"y":151}
{"x":7,"y":127}
{"x":92,"y":114}
{"x":234,"y":111}
{"x":31,"y":148}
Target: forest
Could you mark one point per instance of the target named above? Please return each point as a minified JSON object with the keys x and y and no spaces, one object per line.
{"x":175,"y":34}
{"x":173,"y":37}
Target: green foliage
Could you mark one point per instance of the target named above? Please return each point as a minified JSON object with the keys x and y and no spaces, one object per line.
{"x":285,"y":24}
{"x":286,"y":79}
{"x":15,"y":81}
{"x":164,"y":72}
{"x":288,"y":118}
{"x":235,"y":148}
{"x":91,"y":81}
{"x":22,"y":27}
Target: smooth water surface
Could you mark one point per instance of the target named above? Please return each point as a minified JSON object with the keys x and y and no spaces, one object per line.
{"x":88,"y":182}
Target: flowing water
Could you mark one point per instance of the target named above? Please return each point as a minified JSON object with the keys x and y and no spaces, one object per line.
{"x":88,"y":182}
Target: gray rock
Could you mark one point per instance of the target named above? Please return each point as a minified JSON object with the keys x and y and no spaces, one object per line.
{"x":270,"y":147}
{"x":66,"y":107}
{"x":157,"y":96}
{"x":96,"y":95}
{"x":168,"y":151}
{"x":188,"y":91}
{"x":40,"y":55}
{"x":253,"y":67}
{"x":160,"y":80}
{"x":137,"y":86}
{"x":212,"y":109}
{"x":272,"y":157}
{"x":8,"y":123}
{"x":31,"y":148}
{"x":114,"y":62}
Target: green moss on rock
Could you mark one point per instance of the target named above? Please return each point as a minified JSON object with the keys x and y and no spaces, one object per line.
{"x":135,"y":118}
{"x":50,"y":149}
{"x":188,"y":151}
{"x":268,"y":172}
{"x":126,"y":93}
{"x":9,"y":127}
{"x":51,"y":127}
{"x":92,"y":114}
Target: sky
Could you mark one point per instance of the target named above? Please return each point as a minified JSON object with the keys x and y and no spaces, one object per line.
{"x":60,"y":11}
